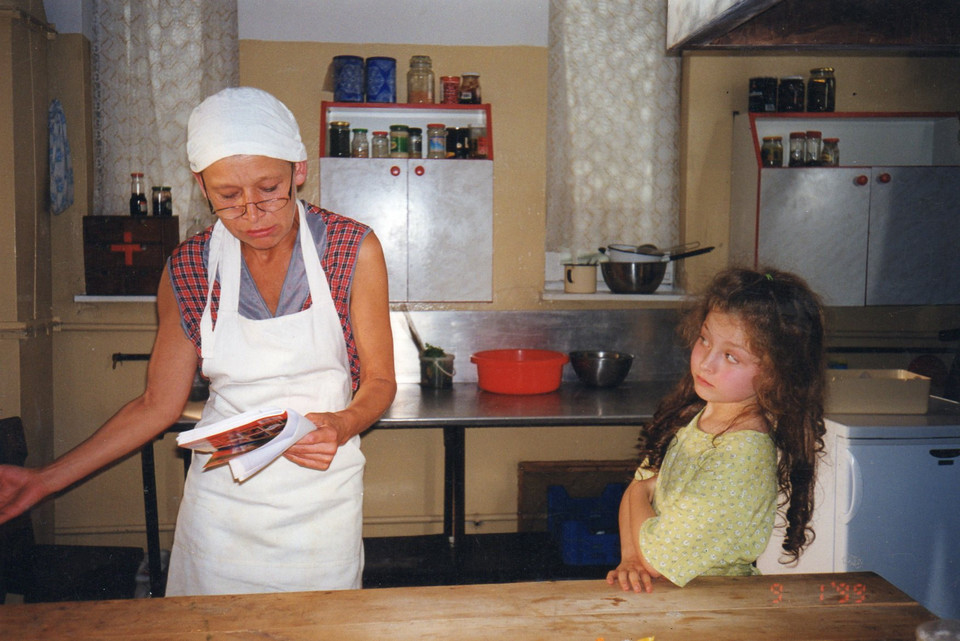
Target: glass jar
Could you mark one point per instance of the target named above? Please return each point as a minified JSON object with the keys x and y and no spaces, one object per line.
{"x":399,"y":141}
{"x":162,"y":203}
{"x":797,"y":143}
{"x":470,"y":89}
{"x":763,"y":94}
{"x":339,"y":135}
{"x":420,"y":80}
{"x":478,"y":142}
{"x":138,"y":199}
{"x":450,"y":90}
{"x":790,"y":94}
{"x":416,"y":142}
{"x":380,"y":145}
{"x":360,"y":144}
{"x":771,"y":153}
{"x":821,"y":90}
{"x":830,"y":154}
{"x":812,"y":147}
{"x":436,"y":141}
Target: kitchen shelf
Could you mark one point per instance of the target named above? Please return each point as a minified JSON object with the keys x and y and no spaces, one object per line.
{"x":553,"y":291}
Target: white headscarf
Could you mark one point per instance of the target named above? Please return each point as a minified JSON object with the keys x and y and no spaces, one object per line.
{"x":242,"y":120}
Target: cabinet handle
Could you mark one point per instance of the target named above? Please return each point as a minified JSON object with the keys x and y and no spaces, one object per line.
{"x":884,"y":178}
{"x":861,"y":180}
{"x":418,"y":170}
{"x":394,"y":171}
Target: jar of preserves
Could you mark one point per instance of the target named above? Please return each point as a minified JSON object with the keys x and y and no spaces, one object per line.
{"x":771,"y":153}
{"x":360,"y":144}
{"x":450,"y":90}
{"x":830,"y":154}
{"x":380,"y":145}
{"x":797,"y":141}
{"x":470,"y":89}
{"x":416,"y":142}
{"x":138,"y":199}
{"x":821,"y":90}
{"x":812,"y":148}
{"x":399,"y":141}
{"x":436,"y":141}
{"x":339,"y":135}
{"x":420,"y":80}
{"x":790,"y":94}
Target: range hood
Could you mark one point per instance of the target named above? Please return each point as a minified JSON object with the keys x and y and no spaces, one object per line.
{"x":926,"y":26}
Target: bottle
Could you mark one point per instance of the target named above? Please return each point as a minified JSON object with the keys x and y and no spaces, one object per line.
{"x":830,"y":154}
{"x":138,"y":199}
{"x":399,"y":141}
{"x":811,"y":153}
{"x":821,"y":90}
{"x":797,"y":140}
{"x":420,"y":80}
{"x":380,"y":146}
{"x":360,"y":145}
{"x":771,"y":153}
{"x":436,"y":141}
{"x":416,"y":142}
{"x":470,"y":89}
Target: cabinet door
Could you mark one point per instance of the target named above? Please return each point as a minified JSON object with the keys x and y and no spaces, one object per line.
{"x":914,"y":250}
{"x":814,"y":222}
{"x":450,"y":233}
{"x":374,"y":192}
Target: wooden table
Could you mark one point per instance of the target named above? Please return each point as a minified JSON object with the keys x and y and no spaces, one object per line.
{"x":797,"y":607}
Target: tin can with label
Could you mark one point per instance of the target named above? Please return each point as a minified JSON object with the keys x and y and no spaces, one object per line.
{"x":763,"y":94}
{"x":348,"y":78}
{"x":381,"y":79}
{"x":449,"y":90}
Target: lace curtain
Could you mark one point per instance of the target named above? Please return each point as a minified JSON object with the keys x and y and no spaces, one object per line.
{"x":153,"y":61}
{"x":613,"y":126}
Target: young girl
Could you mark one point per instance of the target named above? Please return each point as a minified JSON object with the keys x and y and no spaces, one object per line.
{"x":745,"y":424}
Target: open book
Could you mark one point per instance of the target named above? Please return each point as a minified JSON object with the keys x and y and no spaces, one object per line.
{"x":247,"y":442}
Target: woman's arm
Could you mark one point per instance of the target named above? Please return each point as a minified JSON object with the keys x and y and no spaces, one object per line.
{"x":170,"y":373}
{"x":370,"y":317}
{"x":634,"y":572}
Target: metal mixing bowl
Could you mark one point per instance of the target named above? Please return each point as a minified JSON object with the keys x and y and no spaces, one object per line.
{"x":601,"y":368}
{"x":633,"y":278}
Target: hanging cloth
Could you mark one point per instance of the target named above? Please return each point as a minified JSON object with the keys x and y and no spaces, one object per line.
{"x":61,"y":168}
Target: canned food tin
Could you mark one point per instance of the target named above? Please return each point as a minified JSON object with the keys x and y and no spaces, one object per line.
{"x":381,"y":79}
{"x":348,"y":78}
{"x":763,"y":94}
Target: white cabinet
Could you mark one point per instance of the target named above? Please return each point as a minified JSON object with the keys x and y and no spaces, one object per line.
{"x":881,"y":229}
{"x":433,"y":217}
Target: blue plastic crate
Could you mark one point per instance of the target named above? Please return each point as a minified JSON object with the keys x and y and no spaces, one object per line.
{"x":586,"y":529}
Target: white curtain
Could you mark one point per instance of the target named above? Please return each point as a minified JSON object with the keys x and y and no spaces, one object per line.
{"x":613,"y":126}
{"x":153,"y":61}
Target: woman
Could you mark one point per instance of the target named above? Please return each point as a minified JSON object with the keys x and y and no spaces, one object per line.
{"x":296,"y":316}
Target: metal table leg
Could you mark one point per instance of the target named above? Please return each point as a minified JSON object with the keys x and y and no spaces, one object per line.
{"x":454,"y":512}
{"x":152,"y":518}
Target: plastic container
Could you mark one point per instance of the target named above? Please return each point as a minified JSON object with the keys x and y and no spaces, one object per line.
{"x":519,"y":371}
{"x":586,"y":528}
{"x":436,"y":372}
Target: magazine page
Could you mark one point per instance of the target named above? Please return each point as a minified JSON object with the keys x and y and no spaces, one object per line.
{"x":248,"y":464}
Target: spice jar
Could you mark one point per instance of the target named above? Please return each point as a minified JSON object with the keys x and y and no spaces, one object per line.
{"x":380,"y":145}
{"x":797,"y":141}
{"x":416,"y":142}
{"x":811,"y":153}
{"x":399,"y":141}
{"x":771,"y":153}
{"x":339,"y":139}
{"x":436,"y":141}
{"x":821,"y":90}
{"x":830,"y":154}
{"x":420,"y":80}
{"x":470,"y":89}
{"x":360,"y":145}
{"x":450,"y":90}
{"x":790,"y":94}
{"x":138,"y":199}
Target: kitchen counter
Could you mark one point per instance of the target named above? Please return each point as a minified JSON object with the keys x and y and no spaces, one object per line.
{"x":859,"y":606}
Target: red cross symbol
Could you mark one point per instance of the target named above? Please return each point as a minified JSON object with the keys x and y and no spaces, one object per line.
{"x":127,"y":247}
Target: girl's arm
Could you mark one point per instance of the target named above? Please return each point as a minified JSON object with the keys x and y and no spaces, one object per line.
{"x":634,"y":572}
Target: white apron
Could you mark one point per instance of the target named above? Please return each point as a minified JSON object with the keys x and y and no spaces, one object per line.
{"x":288,"y":528}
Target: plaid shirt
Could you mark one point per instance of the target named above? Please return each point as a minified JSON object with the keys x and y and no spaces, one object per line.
{"x":188,"y":275}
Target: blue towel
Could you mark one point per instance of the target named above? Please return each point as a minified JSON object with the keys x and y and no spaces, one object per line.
{"x":61,"y":169}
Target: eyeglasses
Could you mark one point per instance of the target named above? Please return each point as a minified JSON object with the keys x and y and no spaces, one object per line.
{"x":267,"y":206}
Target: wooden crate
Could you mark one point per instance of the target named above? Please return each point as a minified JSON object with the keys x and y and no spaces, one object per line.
{"x":125,"y":255}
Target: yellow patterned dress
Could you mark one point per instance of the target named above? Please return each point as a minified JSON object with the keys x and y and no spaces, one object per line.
{"x":715,"y":499}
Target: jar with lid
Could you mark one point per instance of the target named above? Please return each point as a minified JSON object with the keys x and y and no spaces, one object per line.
{"x":380,"y":145}
{"x":399,"y":141}
{"x":478,"y":142}
{"x":138,"y":199}
{"x":470,"y":89}
{"x":797,"y":140}
{"x":360,"y":144}
{"x":821,"y":90}
{"x":450,"y":90}
{"x":790,"y":94}
{"x":812,"y":146}
{"x":830,"y":154}
{"x":436,"y":140}
{"x":416,"y":142}
{"x":339,"y":135}
{"x":162,"y":203}
{"x":420,"y":80}
{"x":771,"y":153}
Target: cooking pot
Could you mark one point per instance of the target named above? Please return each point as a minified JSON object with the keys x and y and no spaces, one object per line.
{"x":641,"y":277}
{"x":650,"y":253}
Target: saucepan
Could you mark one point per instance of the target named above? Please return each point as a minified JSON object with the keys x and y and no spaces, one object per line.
{"x":620,"y":253}
{"x":641,"y":277}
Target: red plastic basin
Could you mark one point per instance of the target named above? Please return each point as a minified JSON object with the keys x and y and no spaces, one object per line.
{"x":519,"y":371}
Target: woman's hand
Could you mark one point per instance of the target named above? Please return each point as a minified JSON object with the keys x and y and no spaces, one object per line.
{"x":632,"y":575}
{"x":317,"y":449}
{"x":20,"y":489}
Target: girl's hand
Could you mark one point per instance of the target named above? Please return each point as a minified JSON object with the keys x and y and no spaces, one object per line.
{"x":317,"y":449}
{"x":632,"y":575}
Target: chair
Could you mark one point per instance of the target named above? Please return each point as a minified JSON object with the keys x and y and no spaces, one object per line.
{"x":46,"y":573}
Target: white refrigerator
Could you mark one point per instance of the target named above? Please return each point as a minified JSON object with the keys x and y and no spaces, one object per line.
{"x":888,"y":501}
